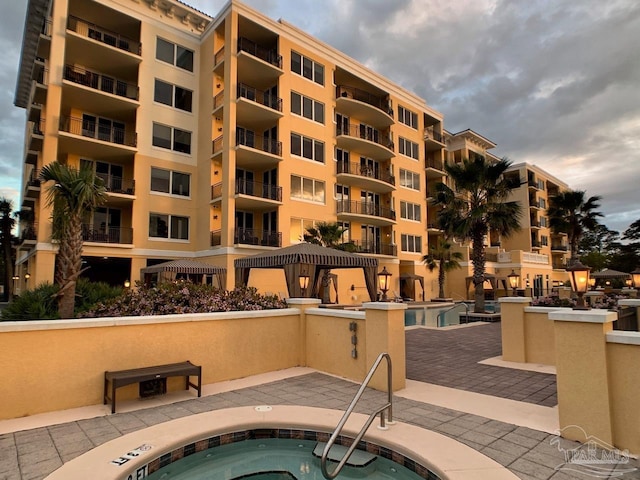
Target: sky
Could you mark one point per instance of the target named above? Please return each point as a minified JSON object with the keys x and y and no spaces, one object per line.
{"x":552,"y":83}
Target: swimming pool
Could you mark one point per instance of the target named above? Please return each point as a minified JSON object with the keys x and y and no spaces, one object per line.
{"x":280,"y":459}
{"x":431,"y":315}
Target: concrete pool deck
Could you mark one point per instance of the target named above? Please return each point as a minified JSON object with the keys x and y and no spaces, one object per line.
{"x":516,"y":434}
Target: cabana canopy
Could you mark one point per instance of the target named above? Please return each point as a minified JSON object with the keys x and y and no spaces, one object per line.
{"x":492,"y":279}
{"x":608,"y":273}
{"x":310,"y":259}
{"x":407,"y":280}
{"x":187,"y":267}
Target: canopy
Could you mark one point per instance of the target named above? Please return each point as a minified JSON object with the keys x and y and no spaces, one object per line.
{"x":408,"y":279}
{"x":187,"y":267}
{"x":492,"y":279}
{"x":309,"y":259}
{"x":608,"y":273}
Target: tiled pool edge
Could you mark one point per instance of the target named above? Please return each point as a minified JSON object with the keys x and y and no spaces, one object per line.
{"x":437,"y":453}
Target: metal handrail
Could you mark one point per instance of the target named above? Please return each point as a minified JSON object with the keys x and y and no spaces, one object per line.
{"x":443,"y":313}
{"x":388,"y":406}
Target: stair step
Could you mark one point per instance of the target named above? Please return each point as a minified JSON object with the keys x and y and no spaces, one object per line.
{"x":359,"y":458}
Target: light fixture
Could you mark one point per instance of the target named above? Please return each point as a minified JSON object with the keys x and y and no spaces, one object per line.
{"x":592,"y":283}
{"x":514,"y":280}
{"x":384,"y":277}
{"x":635,"y":275}
{"x":303,"y":278}
{"x":27,"y":276}
{"x":127,"y":283}
{"x":579,"y":275}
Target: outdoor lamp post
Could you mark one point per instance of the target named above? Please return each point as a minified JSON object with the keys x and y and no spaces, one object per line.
{"x":384,"y":277}
{"x":514,"y":279}
{"x":579,"y":281}
{"x":127,"y":283}
{"x":628,"y":282}
{"x":592,"y":283}
{"x":303,"y":278}
{"x":635,"y":275}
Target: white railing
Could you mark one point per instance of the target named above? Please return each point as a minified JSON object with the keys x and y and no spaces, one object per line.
{"x":504,"y":257}
{"x":535,"y":258}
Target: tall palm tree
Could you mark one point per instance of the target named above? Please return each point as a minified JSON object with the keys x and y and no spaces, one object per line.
{"x":327,"y":234}
{"x":441,"y":256}
{"x":7,"y":222}
{"x":74,"y":194}
{"x":478,"y":204}
{"x":572,"y":213}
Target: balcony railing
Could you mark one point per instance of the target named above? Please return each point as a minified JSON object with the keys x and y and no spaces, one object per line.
{"x":268,"y":55}
{"x":43,"y":77}
{"x":431,"y":135}
{"x":535,"y":244}
{"x":218,"y":100}
{"x":364,"y":208}
{"x":365,"y":133}
{"x":258,"y":189}
{"x":532,"y":183}
{"x":251,"y":236}
{"x":354,"y":93}
{"x":116,"y":184}
{"x":437,"y":165}
{"x":218,"y":56}
{"x":259,"y":143}
{"x":258,"y":96}
{"x":563,"y":248}
{"x":98,"y":131}
{"x":91,"y":233}
{"x":375,"y":248}
{"x":29,"y":232}
{"x":216,"y":145}
{"x":535,"y":223}
{"x":215,"y":238}
{"x":559,"y":265}
{"x":89,"y":30}
{"x":216,"y":190}
{"x":38,"y":127}
{"x":100,"y":82}
{"x":46,"y":27}
{"x":34,"y":179}
{"x":355,"y":168}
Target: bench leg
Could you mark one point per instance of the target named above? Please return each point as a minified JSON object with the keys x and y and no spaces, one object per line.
{"x":113,"y":397}
{"x":106,"y":391}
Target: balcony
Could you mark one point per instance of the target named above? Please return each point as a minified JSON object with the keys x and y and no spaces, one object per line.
{"x":433,"y":140}
{"x":251,"y":236}
{"x":256,"y":195}
{"x":365,"y":140}
{"x":535,"y":224}
{"x":102,"y":35}
{"x":255,"y":151}
{"x":367,"y":107}
{"x":532,"y":183}
{"x":35,"y":136}
{"x":365,"y":211}
{"x":29,"y":233}
{"x":434,"y":168}
{"x":118,"y":185}
{"x":216,"y":191}
{"x":258,"y":62}
{"x":98,"y":140}
{"x":254,"y":105}
{"x":218,"y":58}
{"x":218,"y":101}
{"x":32,"y":187}
{"x":559,"y":248}
{"x":215,"y":238}
{"x":121,"y":235}
{"x":39,"y":87}
{"x":44,"y":41}
{"x":433,"y":227}
{"x":559,"y":265}
{"x":216,"y":146}
{"x":535,"y":204}
{"x":375,"y":248}
{"x":535,"y":245}
{"x":373,"y":178}
{"x":100,"y":82}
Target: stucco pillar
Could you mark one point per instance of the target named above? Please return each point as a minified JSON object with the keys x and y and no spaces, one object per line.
{"x":513,"y":330}
{"x":582,"y":376}
{"x":384,"y":325}
{"x":632,"y":302}
{"x":303,"y":304}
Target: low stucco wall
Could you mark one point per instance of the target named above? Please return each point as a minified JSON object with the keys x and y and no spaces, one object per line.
{"x":540,"y":345}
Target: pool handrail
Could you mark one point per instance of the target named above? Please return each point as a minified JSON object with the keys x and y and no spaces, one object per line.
{"x":388,"y":407}
{"x":443,"y":313}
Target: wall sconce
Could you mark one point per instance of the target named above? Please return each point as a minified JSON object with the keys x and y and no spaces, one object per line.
{"x":353,"y":287}
{"x":215,"y":217}
{"x":579,"y":275}
{"x":218,"y":85}
{"x":303,"y":279}
{"x":384,"y":277}
{"x":27,"y":276}
{"x":215,"y":172}
{"x":127,"y":283}
{"x":514,"y":280}
{"x":219,"y":129}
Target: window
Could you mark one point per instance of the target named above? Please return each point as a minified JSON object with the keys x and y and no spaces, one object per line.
{"x":298,"y":228}
{"x":307,"y":68}
{"x":307,"y":107}
{"x":408,"y":148}
{"x":309,"y":189}
{"x":407,"y":117}
{"x":542,"y":203}
{"x":409,"y":179}
{"x":171,"y":138}
{"x":166,"y":181}
{"x":411,"y":243}
{"x":168,"y":226}
{"x":410,"y":211}
{"x":307,"y":147}
{"x":173,"y":95}
{"x":543,"y":221}
{"x":544,"y":240}
{"x":174,"y":54}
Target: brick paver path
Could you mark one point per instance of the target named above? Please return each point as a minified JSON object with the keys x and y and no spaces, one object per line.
{"x":450,"y":358}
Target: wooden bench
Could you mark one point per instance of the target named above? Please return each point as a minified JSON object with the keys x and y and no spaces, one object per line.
{"x":136,"y":375}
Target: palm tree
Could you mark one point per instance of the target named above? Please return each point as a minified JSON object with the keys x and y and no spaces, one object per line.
{"x":74,"y":194}
{"x":327,"y":234}
{"x":441,"y":257}
{"x":7,"y":222}
{"x":569,"y":212}
{"x":478,"y":204}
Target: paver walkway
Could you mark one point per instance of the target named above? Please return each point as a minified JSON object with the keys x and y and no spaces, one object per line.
{"x":33,"y":454}
{"x":450,"y":358}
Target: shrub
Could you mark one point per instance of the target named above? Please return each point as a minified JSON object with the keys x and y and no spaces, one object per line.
{"x":88,"y":294}
{"x":184,"y":297}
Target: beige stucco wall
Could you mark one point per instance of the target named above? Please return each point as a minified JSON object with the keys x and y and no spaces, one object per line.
{"x":624,"y":392}
{"x":539,"y":338}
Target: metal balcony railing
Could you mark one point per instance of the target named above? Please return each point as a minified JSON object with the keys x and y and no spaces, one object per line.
{"x":259,"y":143}
{"x":364,"y":208}
{"x":381,"y":103}
{"x":106,"y":133}
{"x":216,"y":190}
{"x":269,"y":55}
{"x":29,"y":231}
{"x":258,"y":189}
{"x":355,"y":168}
{"x":535,"y":244}
{"x":38,"y":127}
{"x":435,"y":164}
{"x":215,"y":238}
{"x":431,"y":135}
{"x":218,"y":100}
{"x":216,"y":145}
{"x":43,"y":77}
{"x":365,"y":133}
{"x":101,"y":82}
{"x":46,"y":27}
{"x":251,"y":236}
{"x":34,"y":179}
{"x":563,"y":248}
{"x":258,"y":96}
{"x":116,"y":184}
{"x":218,"y":56}
{"x":95,"y":32}
{"x":100,"y":234}
{"x":376,"y":248}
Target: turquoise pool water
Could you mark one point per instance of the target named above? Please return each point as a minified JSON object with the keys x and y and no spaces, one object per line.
{"x":272,"y":459}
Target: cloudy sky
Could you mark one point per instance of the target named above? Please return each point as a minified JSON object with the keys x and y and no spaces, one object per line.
{"x":553,"y":83}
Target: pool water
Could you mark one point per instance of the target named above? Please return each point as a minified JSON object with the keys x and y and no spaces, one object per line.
{"x":272,"y":459}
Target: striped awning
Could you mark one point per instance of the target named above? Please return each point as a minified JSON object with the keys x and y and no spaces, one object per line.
{"x":609,"y":273}
{"x":184,"y":266}
{"x":306,"y":253}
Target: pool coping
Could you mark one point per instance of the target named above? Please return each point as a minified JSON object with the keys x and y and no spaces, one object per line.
{"x":446,"y":457}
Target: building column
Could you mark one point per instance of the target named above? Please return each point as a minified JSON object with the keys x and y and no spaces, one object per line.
{"x":513,"y":329}
{"x":303,"y":304}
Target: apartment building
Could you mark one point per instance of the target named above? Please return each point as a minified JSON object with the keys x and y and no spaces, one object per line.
{"x":218,"y":138}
